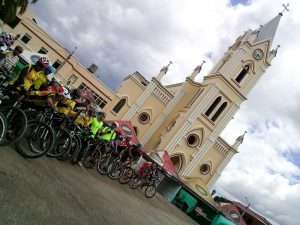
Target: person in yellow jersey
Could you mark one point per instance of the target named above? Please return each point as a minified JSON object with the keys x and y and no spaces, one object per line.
{"x":48,"y":95}
{"x":67,"y":106}
{"x":32,"y":77}
{"x":97,"y":123}
{"x":85,"y":118}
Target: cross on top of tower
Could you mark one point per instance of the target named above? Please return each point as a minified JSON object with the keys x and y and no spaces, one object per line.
{"x":285,"y":8}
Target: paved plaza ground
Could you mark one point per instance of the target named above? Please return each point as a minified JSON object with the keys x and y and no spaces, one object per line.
{"x":47,"y":191}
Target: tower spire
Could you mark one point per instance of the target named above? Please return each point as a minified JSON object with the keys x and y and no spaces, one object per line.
{"x":163,"y":71}
{"x":239,"y":141}
{"x":197,"y":70}
{"x":268,"y":31}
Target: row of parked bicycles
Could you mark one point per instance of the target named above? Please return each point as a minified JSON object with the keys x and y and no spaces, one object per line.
{"x":36,"y":132}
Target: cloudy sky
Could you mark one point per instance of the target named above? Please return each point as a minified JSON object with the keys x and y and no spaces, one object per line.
{"x":130,"y":35}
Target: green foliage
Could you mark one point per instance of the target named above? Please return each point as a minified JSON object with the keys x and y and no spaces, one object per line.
{"x":10,"y":8}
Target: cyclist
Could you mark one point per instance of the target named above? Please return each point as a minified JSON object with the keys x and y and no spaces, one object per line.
{"x":95,"y":126}
{"x":84,"y":117}
{"x":31,"y":76}
{"x":117,"y":141}
{"x":48,"y":95}
{"x":108,"y":133}
{"x":97,"y":123}
{"x":67,"y":106}
{"x":127,"y":146}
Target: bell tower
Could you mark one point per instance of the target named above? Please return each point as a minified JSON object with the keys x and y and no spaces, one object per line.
{"x":219,"y":98}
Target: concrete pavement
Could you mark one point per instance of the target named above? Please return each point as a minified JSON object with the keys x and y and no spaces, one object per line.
{"x":47,"y":191}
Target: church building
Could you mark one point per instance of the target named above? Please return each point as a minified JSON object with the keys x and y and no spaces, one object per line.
{"x":186,"y":119}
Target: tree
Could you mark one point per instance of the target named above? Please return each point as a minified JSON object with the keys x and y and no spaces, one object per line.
{"x":10,"y":8}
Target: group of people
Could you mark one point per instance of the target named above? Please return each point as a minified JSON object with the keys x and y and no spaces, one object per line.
{"x":32,"y":81}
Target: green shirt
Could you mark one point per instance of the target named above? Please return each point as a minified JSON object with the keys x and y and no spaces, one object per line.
{"x":96,"y":125}
{"x":108,"y":134}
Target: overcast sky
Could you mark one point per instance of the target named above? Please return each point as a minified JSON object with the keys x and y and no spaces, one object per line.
{"x":131,"y":35}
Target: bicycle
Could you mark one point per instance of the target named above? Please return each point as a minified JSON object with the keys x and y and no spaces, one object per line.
{"x":2,"y":126}
{"x":92,"y":158}
{"x":15,"y":117}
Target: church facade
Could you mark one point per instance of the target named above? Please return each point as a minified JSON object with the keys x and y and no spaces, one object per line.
{"x":185,"y":119}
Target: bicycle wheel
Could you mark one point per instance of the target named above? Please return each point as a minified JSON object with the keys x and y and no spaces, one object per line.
{"x":38,"y":139}
{"x":127,"y":175}
{"x":150,"y":191}
{"x":76,"y":153}
{"x":135,"y":183}
{"x":2,"y":126}
{"x":16,"y":121}
{"x":92,"y":160}
{"x":117,"y":172}
{"x":74,"y":147}
{"x":105,"y":165}
{"x":62,"y":143}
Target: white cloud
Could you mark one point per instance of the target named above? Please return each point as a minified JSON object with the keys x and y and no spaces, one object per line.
{"x":125,"y":36}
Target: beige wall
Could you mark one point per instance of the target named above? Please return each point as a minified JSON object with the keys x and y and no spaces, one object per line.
{"x":39,"y":39}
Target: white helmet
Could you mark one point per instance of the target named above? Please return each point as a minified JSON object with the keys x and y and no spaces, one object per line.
{"x":66,"y":93}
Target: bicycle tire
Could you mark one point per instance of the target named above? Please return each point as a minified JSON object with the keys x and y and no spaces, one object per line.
{"x":34,"y":130}
{"x":77,"y":152}
{"x":56,"y":150}
{"x":117,"y":172}
{"x":150,"y":191}
{"x":95,"y":157}
{"x":74,"y":148}
{"x":2,"y":126}
{"x":135,"y":183}
{"x":127,"y":175}
{"x":105,"y":165}
{"x":19,"y":131}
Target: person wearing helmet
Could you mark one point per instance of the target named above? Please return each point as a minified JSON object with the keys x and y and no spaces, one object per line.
{"x":85,"y":117}
{"x":96,"y":125}
{"x":32,"y":77}
{"x":108,"y":133}
{"x":48,"y":95}
{"x":127,"y":146}
{"x":67,"y":106}
{"x":75,"y":94}
{"x":10,"y":60}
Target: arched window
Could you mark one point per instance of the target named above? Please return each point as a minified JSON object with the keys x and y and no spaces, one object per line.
{"x":242,"y":74}
{"x":177,"y":162}
{"x":213,"y":106}
{"x":119,"y":105}
{"x":219,"y":111}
